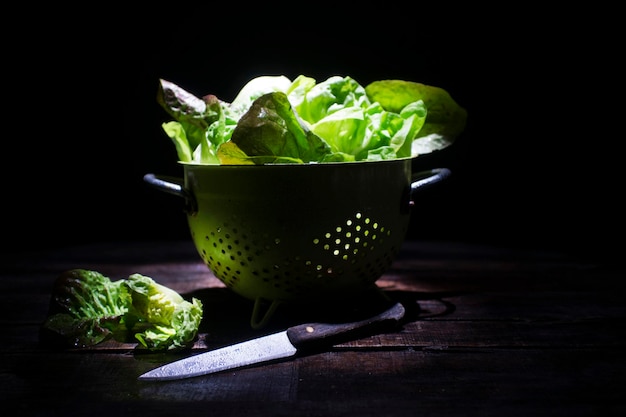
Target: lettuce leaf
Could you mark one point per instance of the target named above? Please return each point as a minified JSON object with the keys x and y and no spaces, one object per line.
{"x":446,"y":119}
{"x":275,"y":120}
{"x":271,"y":132}
{"x":88,"y":308}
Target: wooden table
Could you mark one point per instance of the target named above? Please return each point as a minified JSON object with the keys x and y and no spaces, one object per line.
{"x":488,"y":332}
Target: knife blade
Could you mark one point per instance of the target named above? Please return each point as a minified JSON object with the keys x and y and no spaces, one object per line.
{"x":272,"y":347}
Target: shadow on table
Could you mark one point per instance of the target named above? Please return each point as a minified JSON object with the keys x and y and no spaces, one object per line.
{"x":228,"y":315}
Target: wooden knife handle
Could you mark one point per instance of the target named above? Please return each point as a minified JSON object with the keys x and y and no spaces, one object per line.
{"x":310,"y":335}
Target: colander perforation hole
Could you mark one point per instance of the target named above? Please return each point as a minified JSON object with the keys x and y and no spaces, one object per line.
{"x":338,"y":256}
{"x":348,"y":241}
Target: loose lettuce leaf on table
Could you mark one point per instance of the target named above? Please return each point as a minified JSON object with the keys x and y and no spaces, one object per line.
{"x":159,"y":316}
{"x":88,"y":308}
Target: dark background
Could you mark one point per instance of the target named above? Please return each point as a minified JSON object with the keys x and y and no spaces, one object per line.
{"x":537,"y":166}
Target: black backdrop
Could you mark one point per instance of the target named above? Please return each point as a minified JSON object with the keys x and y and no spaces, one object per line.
{"x":82,"y":125}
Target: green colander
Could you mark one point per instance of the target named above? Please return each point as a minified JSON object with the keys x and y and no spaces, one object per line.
{"x":298,"y":232}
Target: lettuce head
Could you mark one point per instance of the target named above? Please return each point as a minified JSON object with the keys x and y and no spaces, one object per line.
{"x":276,"y":120}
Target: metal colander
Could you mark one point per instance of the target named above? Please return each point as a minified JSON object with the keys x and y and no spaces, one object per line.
{"x":285,"y":233}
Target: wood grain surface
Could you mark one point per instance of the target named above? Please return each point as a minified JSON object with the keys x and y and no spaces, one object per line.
{"x":488,"y":331}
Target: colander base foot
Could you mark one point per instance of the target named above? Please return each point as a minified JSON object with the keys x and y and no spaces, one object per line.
{"x":264,"y":308}
{"x":262,"y":312}
{"x":382,"y":294}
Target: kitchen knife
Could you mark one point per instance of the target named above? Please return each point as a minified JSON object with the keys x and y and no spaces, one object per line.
{"x":275,"y":346}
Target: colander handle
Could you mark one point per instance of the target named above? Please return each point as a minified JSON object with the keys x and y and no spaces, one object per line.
{"x":426,"y":179}
{"x":172,"y":185}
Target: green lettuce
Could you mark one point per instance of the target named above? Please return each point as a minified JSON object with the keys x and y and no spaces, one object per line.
{"x":275,"y":120}
{"x":166,"y":319}
{"x":88,"y":308}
